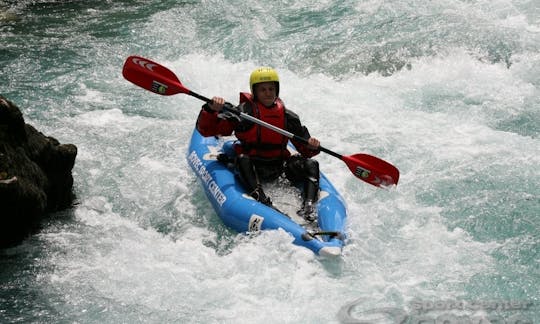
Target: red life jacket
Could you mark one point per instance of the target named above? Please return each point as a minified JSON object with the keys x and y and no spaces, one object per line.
{"x":259,"y":141}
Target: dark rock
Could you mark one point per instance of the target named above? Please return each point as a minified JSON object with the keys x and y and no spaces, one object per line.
{"x":35,"y":175}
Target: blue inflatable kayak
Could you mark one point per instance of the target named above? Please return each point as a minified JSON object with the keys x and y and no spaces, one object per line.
{"x":244,"y":214}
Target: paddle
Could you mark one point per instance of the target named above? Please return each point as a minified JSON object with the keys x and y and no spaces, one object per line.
{"x":154,"y":77}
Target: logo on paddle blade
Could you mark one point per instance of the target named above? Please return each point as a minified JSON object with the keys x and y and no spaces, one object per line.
{"x":362,"y":173}
{"x":144,"y":64}
{"x":159,"y":87}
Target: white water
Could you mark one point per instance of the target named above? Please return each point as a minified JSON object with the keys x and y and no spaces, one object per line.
{"x":143,"y":243}
{"x":111,"y":259}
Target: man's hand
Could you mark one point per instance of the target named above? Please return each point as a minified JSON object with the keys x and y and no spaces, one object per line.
{"x":313,"y":143}
{"x":216,"y":104}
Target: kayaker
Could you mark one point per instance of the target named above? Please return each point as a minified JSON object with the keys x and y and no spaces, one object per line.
{"x":262,"y":154}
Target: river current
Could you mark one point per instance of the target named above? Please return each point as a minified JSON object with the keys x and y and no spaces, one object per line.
{"x":448,"y":91}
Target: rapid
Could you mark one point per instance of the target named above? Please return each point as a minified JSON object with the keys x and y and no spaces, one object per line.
{"x":447,"y":91}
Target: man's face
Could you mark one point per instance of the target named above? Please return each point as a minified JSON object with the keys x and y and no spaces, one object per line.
{"x":265,"y":93}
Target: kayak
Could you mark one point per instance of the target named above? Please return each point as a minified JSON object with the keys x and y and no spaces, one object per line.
{"x":239,"y":211}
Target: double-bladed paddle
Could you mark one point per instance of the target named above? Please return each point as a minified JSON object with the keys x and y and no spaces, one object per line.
{"x":155,"y":77}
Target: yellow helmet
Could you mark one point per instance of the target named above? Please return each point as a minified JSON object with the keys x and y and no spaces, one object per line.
{"x":263,"y":74}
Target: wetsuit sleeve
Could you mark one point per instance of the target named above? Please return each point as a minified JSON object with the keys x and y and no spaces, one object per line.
{"x":209,"y":124}
{"x":295,"y":126}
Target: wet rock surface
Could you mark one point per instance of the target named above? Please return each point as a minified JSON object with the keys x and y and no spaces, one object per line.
{"x":35,"y":175}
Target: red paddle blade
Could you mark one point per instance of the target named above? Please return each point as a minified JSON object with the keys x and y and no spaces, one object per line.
{"x":372,"y":170}
{"x":152,"y":76}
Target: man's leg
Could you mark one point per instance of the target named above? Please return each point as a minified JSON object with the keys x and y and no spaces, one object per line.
{"x":307,"y":171}
{"x":250,"y":179}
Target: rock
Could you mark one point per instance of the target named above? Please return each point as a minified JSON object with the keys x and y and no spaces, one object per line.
{"x":35,"y":175}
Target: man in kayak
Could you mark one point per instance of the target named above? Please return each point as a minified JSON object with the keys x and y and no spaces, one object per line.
{"x":262,"y":154}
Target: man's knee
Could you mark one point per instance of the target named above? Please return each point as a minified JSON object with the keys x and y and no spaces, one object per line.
{"x":312,"y":168}
{"x":242,"y":162}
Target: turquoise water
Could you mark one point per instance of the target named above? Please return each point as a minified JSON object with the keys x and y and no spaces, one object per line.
{"x":448,"y":91}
